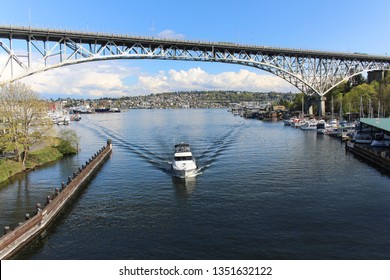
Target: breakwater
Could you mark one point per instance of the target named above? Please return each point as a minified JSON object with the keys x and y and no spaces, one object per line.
{"x":14,"y":239}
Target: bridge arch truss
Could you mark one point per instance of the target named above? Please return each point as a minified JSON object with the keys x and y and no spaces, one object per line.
{"x":25,"y":51}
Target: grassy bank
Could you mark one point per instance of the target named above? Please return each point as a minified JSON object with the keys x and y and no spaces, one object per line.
{"x":43,"y":156}
{"x":9,"y":168}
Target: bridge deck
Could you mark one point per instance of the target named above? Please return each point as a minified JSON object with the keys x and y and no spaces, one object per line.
{"x":42,"y":34}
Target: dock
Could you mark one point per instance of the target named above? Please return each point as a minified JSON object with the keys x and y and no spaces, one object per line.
{"x":380,"y":160}
{"x":15,"y":239}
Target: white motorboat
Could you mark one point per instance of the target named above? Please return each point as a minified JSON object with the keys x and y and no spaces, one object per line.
{"x":323,"y":127}
{"x":361,"y":138}
{"x":183,"y":163}
{"x":381,"y":140}
{"x":115,"y":110}
{"x":60,"y":118}
{"x":296,"y":122}
{"x":345,"y":131}
{"x":309,"y":125}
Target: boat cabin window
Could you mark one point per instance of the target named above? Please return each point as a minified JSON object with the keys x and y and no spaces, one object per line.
{"x":182,"y":148}
{"x":183,"y":158}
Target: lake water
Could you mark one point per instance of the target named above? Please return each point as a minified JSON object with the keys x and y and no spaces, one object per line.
{"x":262,"y":191}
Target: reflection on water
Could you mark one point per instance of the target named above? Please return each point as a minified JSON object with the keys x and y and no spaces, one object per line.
{"x":184,"y":187}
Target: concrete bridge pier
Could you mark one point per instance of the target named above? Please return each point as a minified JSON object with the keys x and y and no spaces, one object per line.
{"x":308,"y":105}
{"x":321,"y":106}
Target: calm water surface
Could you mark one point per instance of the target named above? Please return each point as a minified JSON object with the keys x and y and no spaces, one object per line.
{"x":263,"y":191}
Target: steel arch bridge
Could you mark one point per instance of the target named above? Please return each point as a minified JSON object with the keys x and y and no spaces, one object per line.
{"x":25,"y":51}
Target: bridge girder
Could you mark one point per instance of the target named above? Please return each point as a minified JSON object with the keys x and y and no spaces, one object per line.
{"x":27,"y":51}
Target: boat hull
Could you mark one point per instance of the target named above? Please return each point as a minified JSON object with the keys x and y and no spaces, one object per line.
{"x":183,"y":173}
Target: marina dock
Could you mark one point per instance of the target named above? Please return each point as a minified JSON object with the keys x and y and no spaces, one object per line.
{"x":380,"y":159}
{"x":15,"y":239}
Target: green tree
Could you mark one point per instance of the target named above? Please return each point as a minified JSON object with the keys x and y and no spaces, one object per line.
{"x":383,"y":95}
{"x":24,"y":117}
{"x":69,"y":142}
{"x":356,"y":80}
{"x":337,"y":94}
{"x":297,"y":102}
{"x":3,"y":142}
{"x":283,"y":102}
{"x":359,"y":98}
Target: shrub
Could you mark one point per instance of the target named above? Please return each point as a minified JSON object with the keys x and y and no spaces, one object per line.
{"x":69,"y":142}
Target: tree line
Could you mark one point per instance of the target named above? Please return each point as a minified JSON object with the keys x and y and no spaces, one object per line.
{"x":354,"y":96}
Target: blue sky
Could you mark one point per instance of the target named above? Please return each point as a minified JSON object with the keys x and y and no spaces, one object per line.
{"x":351,"y":26}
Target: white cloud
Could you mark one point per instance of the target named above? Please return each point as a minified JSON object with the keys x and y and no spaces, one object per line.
{"x":92,"y":80}
{"x":170,"y":34}
{"x":198,"y":79}
{"x":157,"y":83}
{"x":115,"y":79}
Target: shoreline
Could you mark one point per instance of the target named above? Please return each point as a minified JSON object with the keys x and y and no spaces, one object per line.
{"x":15,"y":239}
{"x":38,"y":158}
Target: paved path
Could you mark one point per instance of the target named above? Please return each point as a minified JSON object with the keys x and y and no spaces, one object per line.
{"x":34,"y":147}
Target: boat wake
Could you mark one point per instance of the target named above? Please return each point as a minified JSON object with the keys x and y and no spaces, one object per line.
{"x":216,"y":147}
{"x":142,"y":151}
{"x":158,"y":152}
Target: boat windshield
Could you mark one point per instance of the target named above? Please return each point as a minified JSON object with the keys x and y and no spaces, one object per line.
{"x":183,"y":158}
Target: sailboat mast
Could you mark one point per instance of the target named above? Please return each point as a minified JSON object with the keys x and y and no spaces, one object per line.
{"x":370,"y":110}
{"x":332,"y":109}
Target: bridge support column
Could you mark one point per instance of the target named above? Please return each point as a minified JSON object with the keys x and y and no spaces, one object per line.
{"x":308,"y":105}
{"x":321,"y":106}
{"x":310,"y":110}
